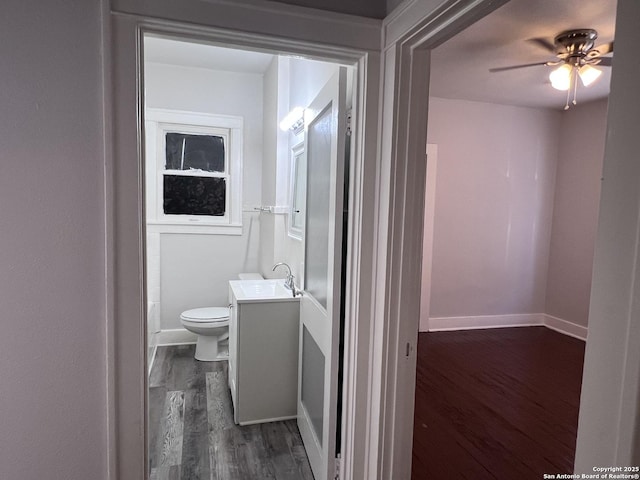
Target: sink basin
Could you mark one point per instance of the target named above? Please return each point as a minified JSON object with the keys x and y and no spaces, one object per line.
{"x":263,"y":288}
{"x":260,"y":290}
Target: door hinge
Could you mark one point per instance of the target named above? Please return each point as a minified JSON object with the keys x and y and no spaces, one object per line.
{"x":338,"y":465}
{"x":349,"y":123}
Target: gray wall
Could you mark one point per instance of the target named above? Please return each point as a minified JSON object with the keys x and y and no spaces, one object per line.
{"x":392,"y":4}
{"x":52,"y":348}
{"x":575,"y":215}
{"x":516,"y":208}
{"x":364,"y":8}
{"x":493,"y":208}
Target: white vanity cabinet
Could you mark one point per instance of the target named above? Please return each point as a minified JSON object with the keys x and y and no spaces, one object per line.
{"x":263,"y":351}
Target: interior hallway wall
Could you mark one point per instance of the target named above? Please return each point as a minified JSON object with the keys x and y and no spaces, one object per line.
{"x":53,"y":421}
{"x":494,"y":205}
{"x":575,"y":216}
{"x":195,"y":268}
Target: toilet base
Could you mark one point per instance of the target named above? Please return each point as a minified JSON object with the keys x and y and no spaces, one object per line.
{"x":211,"y":349}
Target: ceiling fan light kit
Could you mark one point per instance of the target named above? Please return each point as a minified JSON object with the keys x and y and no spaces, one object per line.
{"x":577,"y":58}
{"x":561,"y":76}
{"x":588,"y":74}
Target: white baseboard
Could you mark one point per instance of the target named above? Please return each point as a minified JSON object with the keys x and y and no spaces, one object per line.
{"x":175,"y":336}
{"x":443,"y":324}
{"x":566,"y":327}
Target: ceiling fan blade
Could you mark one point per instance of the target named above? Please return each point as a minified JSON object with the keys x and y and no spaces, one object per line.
{"x":545,"y":43}
{"x":513,"y":67}
{"x":604,"y":61}
{"x":604,"y":49}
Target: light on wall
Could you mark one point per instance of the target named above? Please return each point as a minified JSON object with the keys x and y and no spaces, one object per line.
{"x":565,"y":77}
{"x":294,"y":120}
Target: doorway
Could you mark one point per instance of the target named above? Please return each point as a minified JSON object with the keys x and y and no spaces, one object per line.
{"x":483,"y":207}
{"x":236,"y":199}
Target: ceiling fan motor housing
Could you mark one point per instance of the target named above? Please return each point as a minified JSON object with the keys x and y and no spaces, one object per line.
{"x":574,"y":45}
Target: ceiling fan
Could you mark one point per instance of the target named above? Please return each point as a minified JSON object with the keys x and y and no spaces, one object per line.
{"x":577,"y":58}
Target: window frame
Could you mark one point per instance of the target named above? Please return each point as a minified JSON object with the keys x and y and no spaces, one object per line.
{"x":158,"y":123}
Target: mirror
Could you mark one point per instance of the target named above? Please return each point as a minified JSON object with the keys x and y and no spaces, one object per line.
{"x":298,"y":191}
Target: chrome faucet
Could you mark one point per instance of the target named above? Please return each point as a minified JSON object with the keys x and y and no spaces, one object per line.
{"x":288,"y":283}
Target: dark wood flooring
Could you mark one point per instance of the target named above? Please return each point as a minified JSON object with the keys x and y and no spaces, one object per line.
{"x":496,"y":404}
{"x":192,"y":435}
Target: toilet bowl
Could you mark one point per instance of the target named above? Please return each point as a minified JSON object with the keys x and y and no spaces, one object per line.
{"x":211,"y":325}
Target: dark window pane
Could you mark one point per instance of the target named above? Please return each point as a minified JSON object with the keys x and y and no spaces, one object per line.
{"x":202,"y":152}
{"x":194,"y":195}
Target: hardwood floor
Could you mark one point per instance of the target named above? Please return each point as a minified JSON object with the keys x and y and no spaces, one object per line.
{"x":496,"y":404}
{"x":192,"y":435}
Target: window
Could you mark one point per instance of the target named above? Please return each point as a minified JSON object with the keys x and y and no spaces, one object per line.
{"x":194,"y":171}
{"x":194,"y":179}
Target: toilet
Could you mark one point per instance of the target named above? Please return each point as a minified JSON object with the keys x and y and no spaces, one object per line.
{"x":211,"y":325}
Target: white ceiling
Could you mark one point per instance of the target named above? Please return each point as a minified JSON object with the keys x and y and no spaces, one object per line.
{"x":460,"y":66}
{"x":189,"y":54}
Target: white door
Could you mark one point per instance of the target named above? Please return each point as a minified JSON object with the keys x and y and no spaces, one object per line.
{"x":325,"y":132}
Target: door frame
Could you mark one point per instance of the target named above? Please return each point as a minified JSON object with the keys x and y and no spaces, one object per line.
{"x":427,"y":240}
{"x":231,"y":24}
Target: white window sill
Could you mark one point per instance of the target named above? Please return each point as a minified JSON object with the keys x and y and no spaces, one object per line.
{"x":194,"y":228}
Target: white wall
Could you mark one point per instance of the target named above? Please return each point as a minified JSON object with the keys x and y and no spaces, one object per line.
{"x":487,"y":223}
{"x":195,"y":268}
{"x":52,"y":285}
{"x":575,"y":216}
{"x":306,"y":79}
{"x":190,"y":274}
{"x":494,"y":204}
{"x":289,"y":83}
{"x":275,"y":166}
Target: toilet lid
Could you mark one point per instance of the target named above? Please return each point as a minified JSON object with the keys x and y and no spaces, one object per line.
{"x":206,"y":314}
